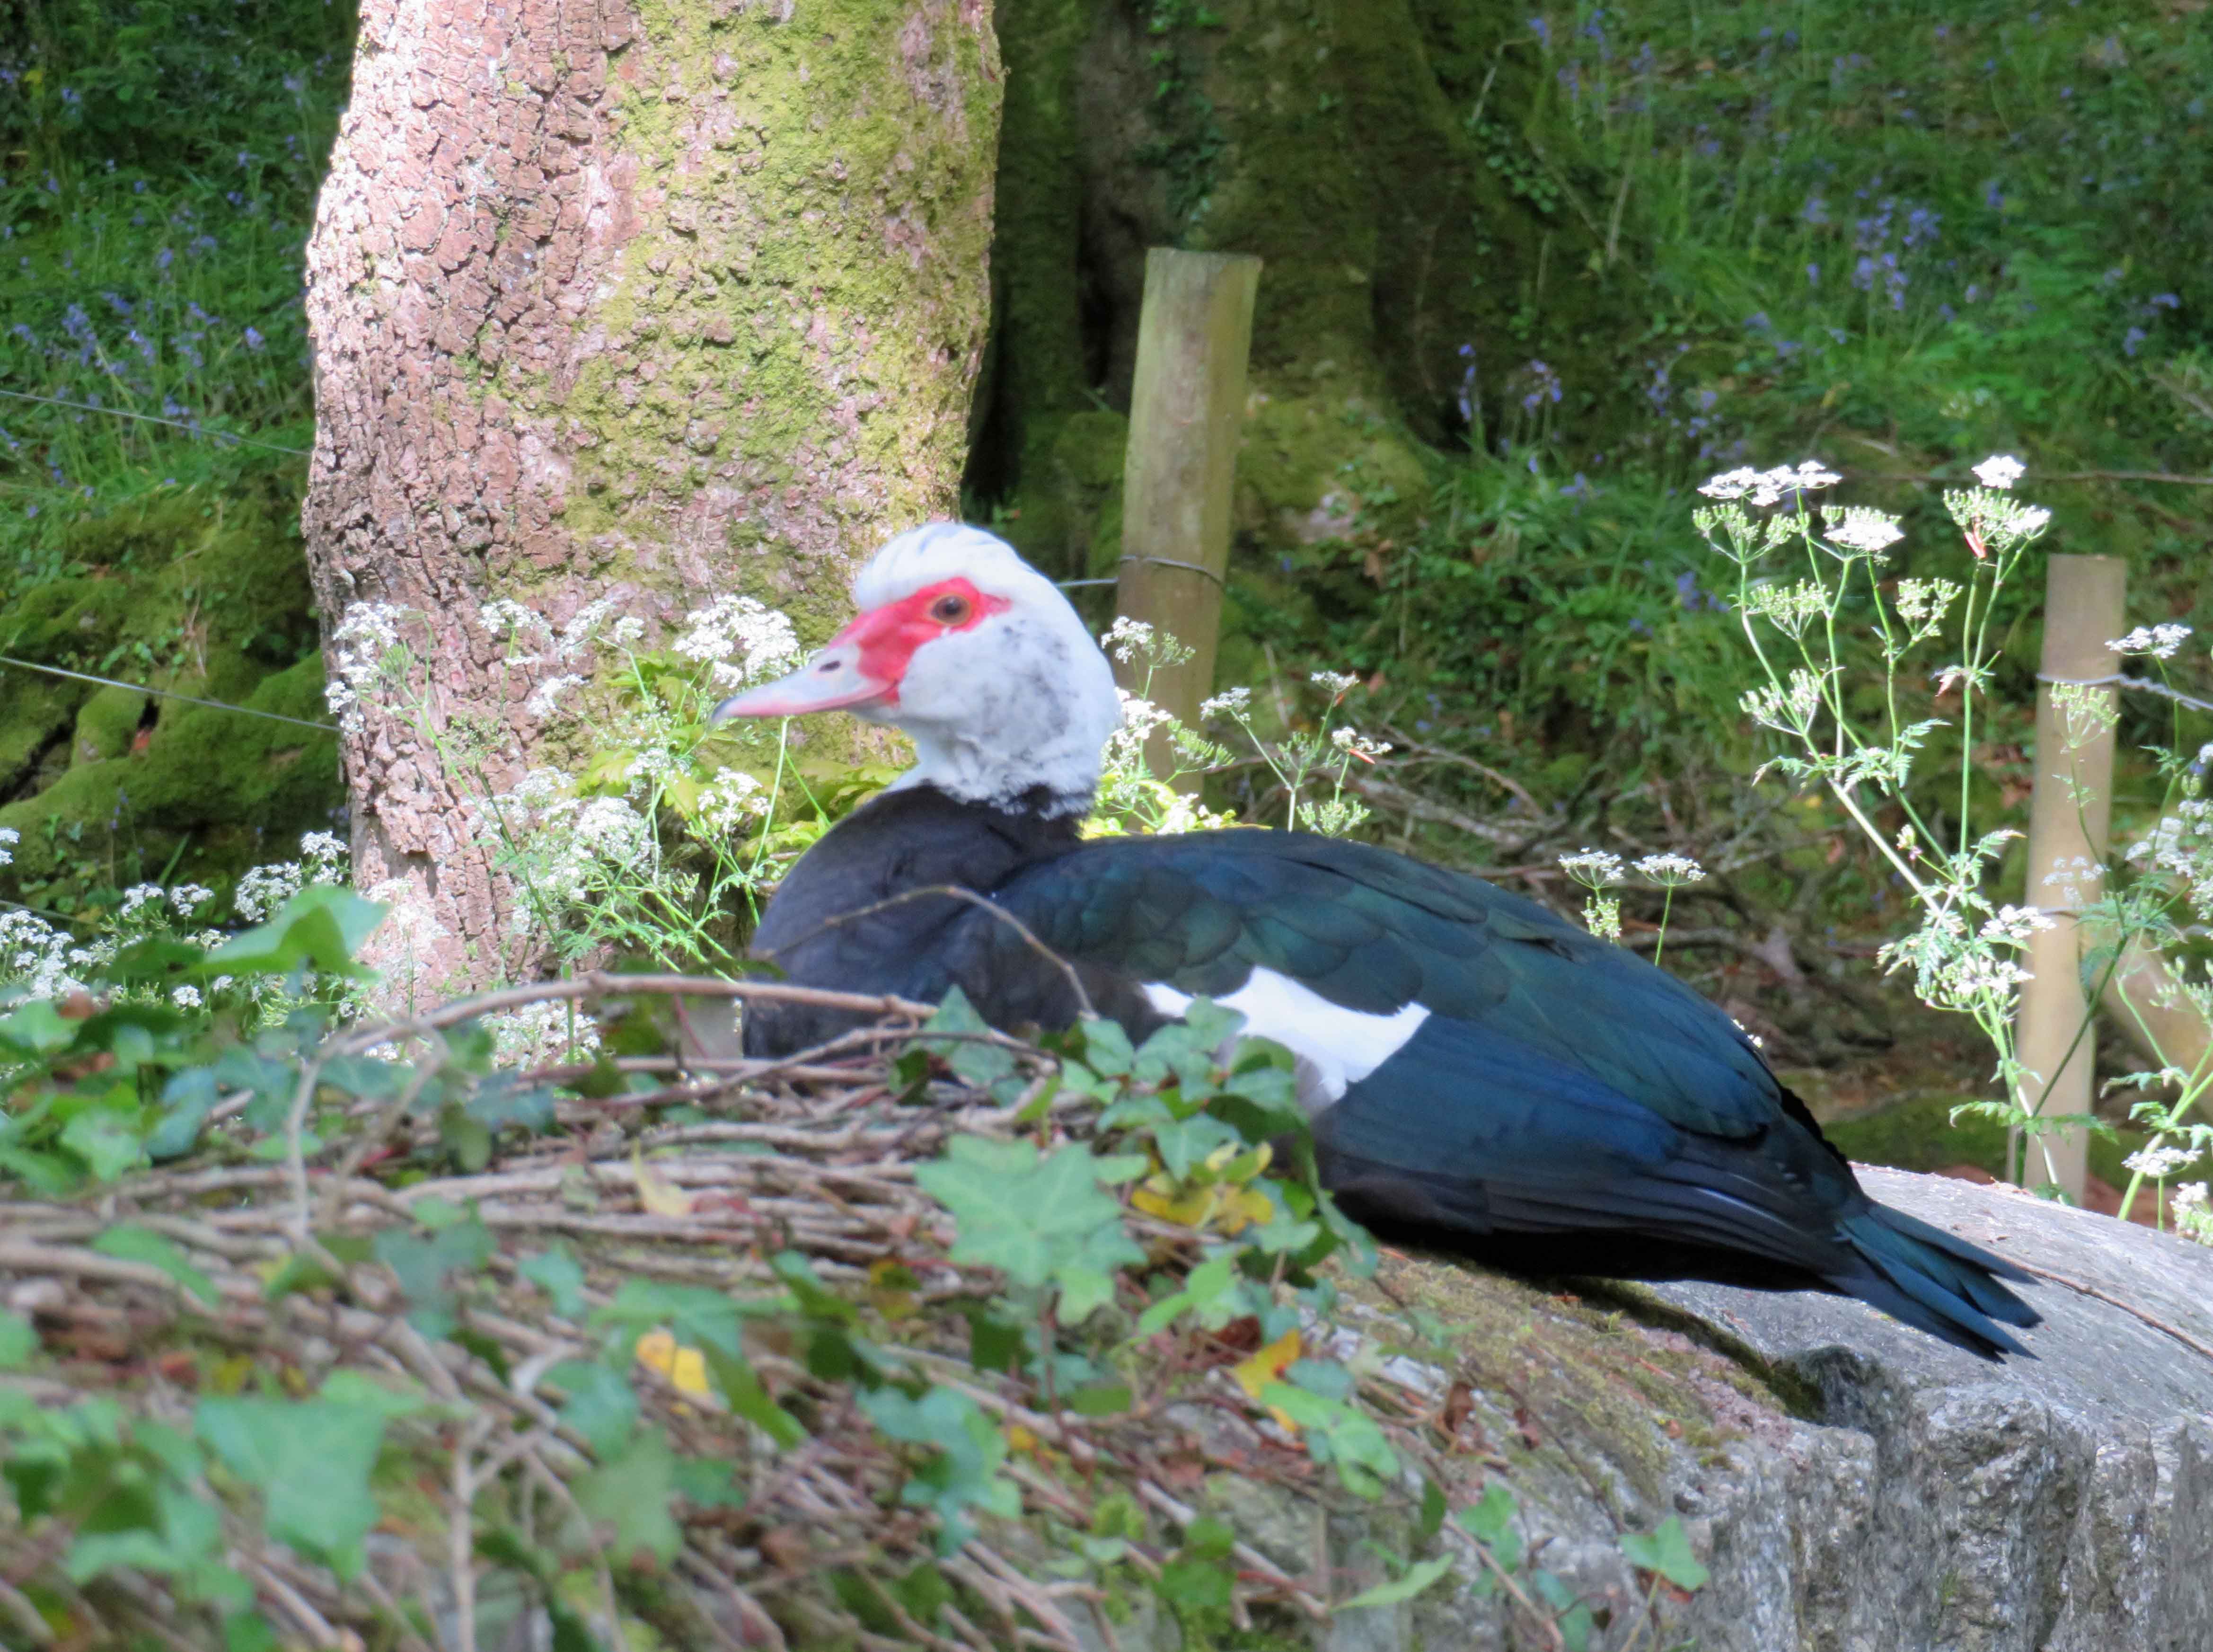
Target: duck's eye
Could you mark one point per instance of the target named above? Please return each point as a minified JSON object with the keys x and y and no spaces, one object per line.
{"x":950,"y":610}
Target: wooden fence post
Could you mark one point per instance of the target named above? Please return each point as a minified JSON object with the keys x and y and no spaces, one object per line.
{"x":1187,"y":408}
{"x":2084,"y":602}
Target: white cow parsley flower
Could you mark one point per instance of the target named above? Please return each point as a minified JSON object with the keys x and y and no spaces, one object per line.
{"x":1769,"y":487}
{"x":2000,"y":470}
{"x":1593,"y":868}
{"x":2161,"y":1162}
{"x":1861,"y":527}
{"x":2158,"y":641}
{"x":1671,"y":871}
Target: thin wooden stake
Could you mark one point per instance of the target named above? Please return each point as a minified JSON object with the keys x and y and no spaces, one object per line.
{"x":1187,"y":409}
{"x":2084,"y":600}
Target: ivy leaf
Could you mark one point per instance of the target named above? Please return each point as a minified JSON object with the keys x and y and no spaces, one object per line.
{"x":423,"y":1266}
{"x":36,"y":1029}
{"x":318,"y":928}
{"x":130,"y":1243}
{"x":1038,"y":1222}
{"x":1339,"y":1434}
{"x":558,"y":1275}
{"x":964,"y":1474}
{"x":19,"y":1340}
{"x":1405,"y":1587}
{"x":601,"y":1405}
{"x":1213,"y":1290}
{"x":977,"y":1062}
{"x":709,"y":1484}
{"x":105,"y":1142}
{"x":1491,"y":1523}
{"x":310,"y":1460}
{"x":357,"y":1388}
{"x":1668,"y":1552}
{"x":633,"y":1494}
{"x":186,"y":1100}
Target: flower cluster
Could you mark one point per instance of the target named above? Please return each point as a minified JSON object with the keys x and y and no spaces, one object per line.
{"x":1593,"y":868}
{"x":2158,"y":641}
{"x":1995,"y":520}
{"x":1772,"y":486}
{"x":1670,"y":871}
{"x":263,"y":889}
{"x":541,"y":1034}
{"x":1336,"y":684}
{"x":1861,"y":529}
{"x":2193,"y":1219}
{"x":1923,"y":604}
{"x":1789,"y":710}
{"x":1133,"y":642}
{"x":2000,"y":471}
{"x":365,"y":655}
{"x":740,"y":640}
{"x":2161,"y":1162}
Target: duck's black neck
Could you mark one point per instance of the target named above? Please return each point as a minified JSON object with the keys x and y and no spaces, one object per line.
{"x":854,"y":913}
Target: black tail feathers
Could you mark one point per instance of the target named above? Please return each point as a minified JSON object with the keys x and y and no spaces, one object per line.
{"x":1935,"y":1281}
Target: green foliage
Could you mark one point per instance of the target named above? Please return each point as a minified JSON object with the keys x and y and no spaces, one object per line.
{"x":1666,"y":1554}
{"x":1128,"y":1211}
{"x":158,"y":164}
{"x":1043,"y":1223}
{"x":310,"y":1460}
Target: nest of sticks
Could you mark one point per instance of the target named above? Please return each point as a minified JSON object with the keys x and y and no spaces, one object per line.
{"x":814,"y":1155}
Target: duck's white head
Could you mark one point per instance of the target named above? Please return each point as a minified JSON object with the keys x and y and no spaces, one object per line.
{"x":978,"y":657}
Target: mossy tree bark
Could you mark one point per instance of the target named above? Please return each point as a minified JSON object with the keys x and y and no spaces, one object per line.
{"x":631,"y":299}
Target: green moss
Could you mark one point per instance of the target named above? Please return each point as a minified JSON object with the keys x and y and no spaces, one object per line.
{"x":65,"y":620}
{"x":105,"y":724}
{"x":208,"y":599}
{"x":1328,"y":466}
{"x":1065,"y":515}
{"x":35,"y":712}
{"x":228,"y":790}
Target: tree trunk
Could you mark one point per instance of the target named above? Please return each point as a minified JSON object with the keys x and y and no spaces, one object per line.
{"x":638,"y":300}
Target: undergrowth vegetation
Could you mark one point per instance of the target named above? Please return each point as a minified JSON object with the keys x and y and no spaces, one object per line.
{"x":888,"y":1339}
{"x":158,"y":165}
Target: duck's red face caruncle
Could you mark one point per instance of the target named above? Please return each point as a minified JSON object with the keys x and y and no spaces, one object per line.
{"x":860,"y":668}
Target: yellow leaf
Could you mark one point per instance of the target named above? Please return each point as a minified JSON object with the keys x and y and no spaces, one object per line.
{"x":1157,"y":1198}
{"x":1268,"y":1365}
{"x":660,"y":1196}
{"x":1020,"y":1438}
{"x":892,"y":1287}
{"x":1226,"y":1208}
{"x":684,"y":1367}
{"x":1247,"y":1206}
{"x":1255,"y":1375}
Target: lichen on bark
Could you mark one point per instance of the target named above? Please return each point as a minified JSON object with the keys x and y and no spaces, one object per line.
{"x":643,"y":302}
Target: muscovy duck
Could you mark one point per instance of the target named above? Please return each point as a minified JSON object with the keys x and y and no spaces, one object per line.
{"x":1477,"y":1069}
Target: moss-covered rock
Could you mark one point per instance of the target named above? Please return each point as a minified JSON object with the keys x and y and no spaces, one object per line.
{"x":109,"y":784}
{"x":107,"y":724}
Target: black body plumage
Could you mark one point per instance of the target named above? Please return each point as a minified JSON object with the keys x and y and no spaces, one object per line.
{"x":1564,"y":1105}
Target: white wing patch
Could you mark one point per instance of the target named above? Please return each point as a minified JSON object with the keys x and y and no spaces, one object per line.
{"x":1336,"y":1047}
